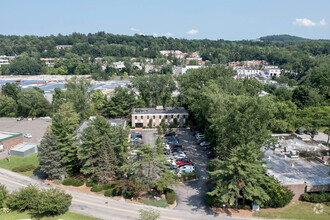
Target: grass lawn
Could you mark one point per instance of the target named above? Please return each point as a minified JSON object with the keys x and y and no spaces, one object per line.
{"x":160,"y":203}
{"x":66,"y":216}
{"x":296,"y":210}
{"x":13,"y":162}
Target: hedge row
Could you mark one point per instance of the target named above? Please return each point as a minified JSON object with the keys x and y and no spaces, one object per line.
{"x":72,"y":182}
{"x":24,"y":168}
{"x":170,"y":196}
{"x":115,"y":192}
{"x":316,"y":197}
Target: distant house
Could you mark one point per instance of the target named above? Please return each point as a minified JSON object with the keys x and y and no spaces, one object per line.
{"x":141,"y":117}
{"x":185,"y":69}
{"x":177,"y":53}
{"x":243,"y":72}
{"x":60,"y":47}
{"x":5,"y":60}
{"x":272,"y":71}
{"x":198,"y":59}
{"x":50,"y":62}
{"x":118,"y":65}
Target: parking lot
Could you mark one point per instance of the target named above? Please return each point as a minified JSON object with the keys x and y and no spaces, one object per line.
{"x":35,"y":127}
{"x":191,"y":194}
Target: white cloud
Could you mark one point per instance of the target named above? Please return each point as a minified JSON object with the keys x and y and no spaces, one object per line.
{"x":134,"y":29}
{"x":192,"y":31}
{"x":168,"y":35}
{"x":155,"y":34}
{"x":308,"y":23}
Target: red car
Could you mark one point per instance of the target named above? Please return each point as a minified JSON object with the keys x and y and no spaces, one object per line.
{"x":184,"y":162}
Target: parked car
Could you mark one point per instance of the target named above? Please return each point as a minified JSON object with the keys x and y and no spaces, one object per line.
{"x":27,"y":135}
{"x":20,"y":118}
{"x":186,"y":163}
{"x":211,"y":154}
{"x":205,"y":143}
{"x":200,"y":140}
{"x":299,"y":131}
{"x":186,"y":169}
{"x":182,"y":161}
{"x":307,"y":132}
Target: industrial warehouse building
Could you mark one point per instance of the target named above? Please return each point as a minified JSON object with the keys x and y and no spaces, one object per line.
{"x":9,"y":139}
{"x":141,"y":117}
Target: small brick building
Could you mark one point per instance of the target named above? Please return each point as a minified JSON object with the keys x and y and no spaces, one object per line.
{"x":10,"y":139}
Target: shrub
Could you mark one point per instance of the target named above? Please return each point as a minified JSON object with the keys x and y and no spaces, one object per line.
{"x":108,"y":193}
{"x":3,"y":194}
{"x":52,"y":202}
{"x":23,"y":199}
{"x":72,"y":182}
{"x":128,"y":195}
{"x":4,"y":211}
{"x":316,"y":197}
{"x":188,"y":176}
{"x":170,"y":196}
{"x":109,"y":186}
{"x":91,"y":183}
{"x":77,"y":183}
{"x":24,"y":168}
{"x":280,"y":196}
{"x":96,"y":188}
{"x":117,"y":192}
{"x":212,"y":201}
{"x":68,"y":181}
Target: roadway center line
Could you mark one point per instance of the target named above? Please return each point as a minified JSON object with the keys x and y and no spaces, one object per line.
{"x":20,"y":184}
{"x":94,"y":204}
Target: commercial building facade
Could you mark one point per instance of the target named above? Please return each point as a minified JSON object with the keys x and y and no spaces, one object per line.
{"x":10,"y":139}
{"x":142,"y":117}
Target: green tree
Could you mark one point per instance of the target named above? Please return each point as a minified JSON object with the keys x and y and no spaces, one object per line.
{"x":240,"y":176}
{"x":32,"y":103}
{"x":51,"y":202}
{"x":3,"y":194}
{"x":65,"y":121}
{"x":8,"y":106}
{"x":149,"y":214}
{"x":78,"y":94}
{"x":23,"y":199}
{"x":50,"y":156}
{"x":11,"y":90}
{"x":82,"y":69}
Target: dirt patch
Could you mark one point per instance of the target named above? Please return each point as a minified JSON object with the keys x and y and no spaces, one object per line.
{"x":234,"y":212}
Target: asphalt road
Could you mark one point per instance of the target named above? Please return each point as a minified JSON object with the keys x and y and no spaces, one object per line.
{"x":102,"y":207}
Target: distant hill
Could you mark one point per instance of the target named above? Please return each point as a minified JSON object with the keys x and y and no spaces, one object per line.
{"x":283,"y":37}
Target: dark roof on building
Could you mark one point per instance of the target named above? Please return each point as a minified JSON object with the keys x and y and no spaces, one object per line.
{"x":166,"y":110}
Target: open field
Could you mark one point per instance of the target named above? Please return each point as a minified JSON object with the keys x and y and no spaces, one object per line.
{"x":12,"y":162}
{"x":297,"y":210}
{"x":66,"y":216}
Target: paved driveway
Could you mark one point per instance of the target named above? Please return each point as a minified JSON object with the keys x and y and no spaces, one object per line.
{"x":191,"y":195}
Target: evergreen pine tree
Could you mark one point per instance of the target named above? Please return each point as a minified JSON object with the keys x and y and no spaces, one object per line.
{"x":50,"y":156}
{"x":64,"y":124}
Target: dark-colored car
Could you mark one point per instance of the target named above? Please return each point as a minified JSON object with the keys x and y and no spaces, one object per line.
{"x":307,"y":132}
{"x":177,"y":149}
{"x":299,"y":131}
{"x":211,"y":155}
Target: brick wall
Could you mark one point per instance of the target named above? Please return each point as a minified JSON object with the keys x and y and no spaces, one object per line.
{"x":12,"y":142}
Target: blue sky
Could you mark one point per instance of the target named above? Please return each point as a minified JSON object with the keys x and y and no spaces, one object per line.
{"x":192,"y":19}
